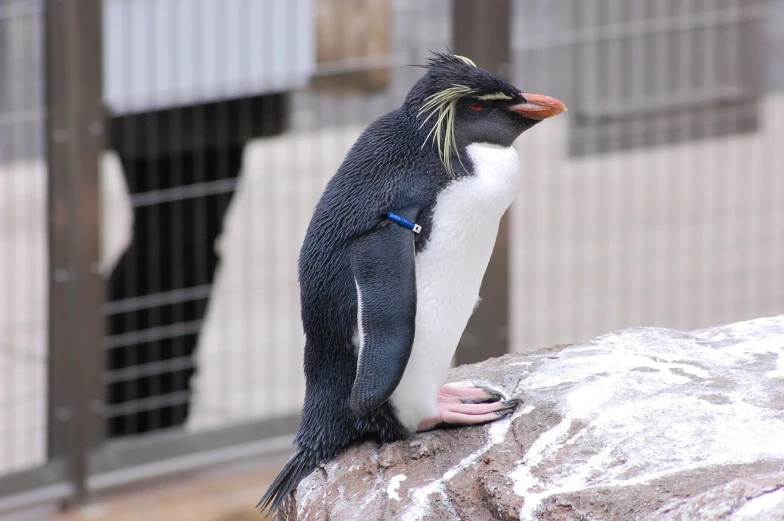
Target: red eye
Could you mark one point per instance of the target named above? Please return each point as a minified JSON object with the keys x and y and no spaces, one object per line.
{"x":476,"y":106}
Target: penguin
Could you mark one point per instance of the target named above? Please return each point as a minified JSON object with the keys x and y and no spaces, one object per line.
{"x":393,"y":259}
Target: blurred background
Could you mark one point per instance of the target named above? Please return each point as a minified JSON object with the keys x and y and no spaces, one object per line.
{"x":160,"y":159}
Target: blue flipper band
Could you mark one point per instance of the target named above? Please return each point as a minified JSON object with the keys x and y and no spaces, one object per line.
{"x":395,"y":218}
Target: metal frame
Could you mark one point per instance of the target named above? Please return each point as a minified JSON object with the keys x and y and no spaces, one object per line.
{"x":123,"y":462}
{"x":75,"y":142}
{"x":35,"y":486}
{"x":80,"y":462}
{"x":128,"y":461}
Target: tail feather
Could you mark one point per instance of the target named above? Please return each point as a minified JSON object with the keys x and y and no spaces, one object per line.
{"x":301,"y":464}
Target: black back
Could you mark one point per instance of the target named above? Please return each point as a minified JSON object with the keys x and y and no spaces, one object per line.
{"x":386,"y":170}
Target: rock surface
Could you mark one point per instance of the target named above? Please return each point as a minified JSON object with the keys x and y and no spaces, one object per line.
{"x":645,"y":423}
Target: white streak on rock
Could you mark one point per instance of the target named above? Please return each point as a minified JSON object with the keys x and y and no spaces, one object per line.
{"x":394,"y":484}
{"x":420,"y":503}
{"x":761,"y":508}
{"x":778,"y":372}
{"x":358,"y":512}
{"x":641,"y":400}
{"x":525,"y":410}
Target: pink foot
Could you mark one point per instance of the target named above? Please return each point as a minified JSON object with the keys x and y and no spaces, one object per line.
{"x":468,"y":405}
{"x":461,"y":393}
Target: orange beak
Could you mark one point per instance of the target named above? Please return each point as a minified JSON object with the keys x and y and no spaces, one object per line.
{"x":538,"y":106}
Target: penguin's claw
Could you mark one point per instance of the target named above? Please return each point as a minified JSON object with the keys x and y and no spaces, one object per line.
{"x":509,"y":407}
{"x":453,"y":411}
{"x":494,"y":395}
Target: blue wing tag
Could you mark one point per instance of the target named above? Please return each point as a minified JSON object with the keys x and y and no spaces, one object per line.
{"x":405,"y":223}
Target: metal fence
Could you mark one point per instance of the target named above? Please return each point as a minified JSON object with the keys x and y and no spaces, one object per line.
{"x":159,"y":162}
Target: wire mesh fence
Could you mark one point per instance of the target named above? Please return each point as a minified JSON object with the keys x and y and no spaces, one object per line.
{"x":659,"y":200}
{"x":22,"y":237}
{"x":204,"y":331}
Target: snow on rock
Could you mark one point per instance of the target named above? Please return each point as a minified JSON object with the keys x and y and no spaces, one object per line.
{"x":645,"y":423}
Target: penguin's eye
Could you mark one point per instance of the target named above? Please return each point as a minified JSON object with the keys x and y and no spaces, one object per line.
{"x":476,"y":106}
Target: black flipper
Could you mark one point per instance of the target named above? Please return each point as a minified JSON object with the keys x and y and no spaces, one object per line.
{"x":383,"y":266}
{"x":301,"y":464}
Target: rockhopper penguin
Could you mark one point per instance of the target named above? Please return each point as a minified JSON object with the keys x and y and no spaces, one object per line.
{"x":393,"y":259}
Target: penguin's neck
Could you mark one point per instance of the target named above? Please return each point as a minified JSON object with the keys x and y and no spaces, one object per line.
{"x":497,"y":169}
{"x":489,"y":157}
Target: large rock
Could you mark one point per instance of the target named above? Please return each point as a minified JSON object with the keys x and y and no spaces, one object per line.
{"x":645,"y":423}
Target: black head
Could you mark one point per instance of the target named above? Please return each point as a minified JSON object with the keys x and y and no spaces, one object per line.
{"x":456,"y":103}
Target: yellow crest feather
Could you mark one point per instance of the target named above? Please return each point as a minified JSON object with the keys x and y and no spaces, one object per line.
{"x":442,"y":105}
{"x":494,"y":96}
{"x":467,"y":60}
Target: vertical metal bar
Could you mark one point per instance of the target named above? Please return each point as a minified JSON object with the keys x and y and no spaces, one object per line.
{"x":481,"y":30}
{"x":75,"y":139}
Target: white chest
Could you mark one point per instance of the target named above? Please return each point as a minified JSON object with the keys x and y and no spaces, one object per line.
{"x":449,"y":272}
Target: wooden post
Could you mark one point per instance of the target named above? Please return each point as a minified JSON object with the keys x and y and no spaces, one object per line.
{"x":481,"y":32}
